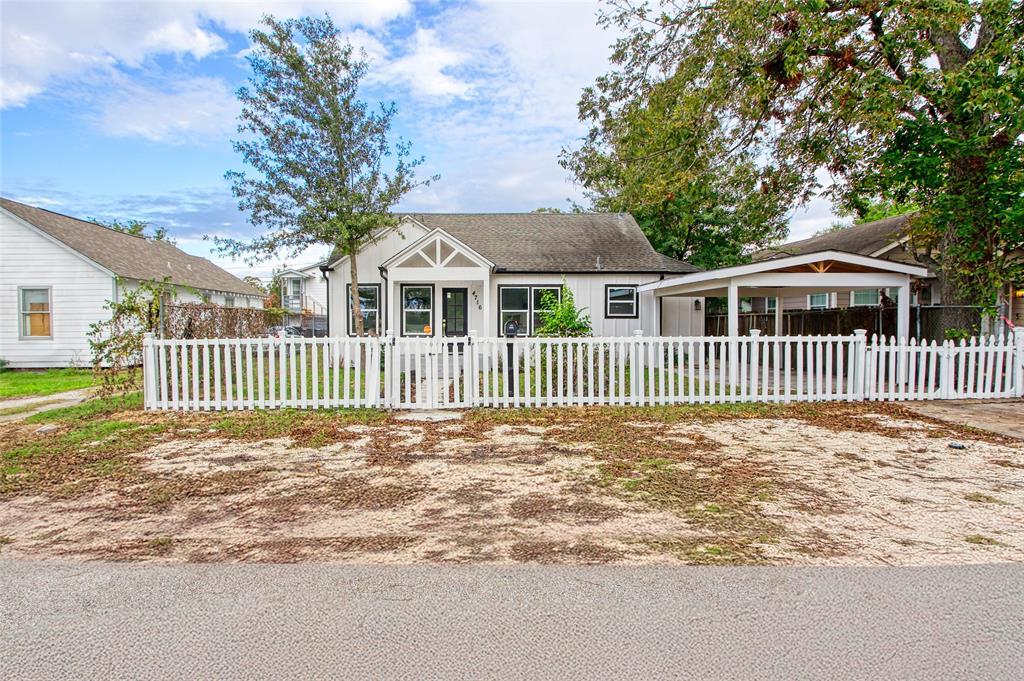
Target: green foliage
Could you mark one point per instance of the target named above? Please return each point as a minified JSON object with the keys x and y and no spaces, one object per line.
{"x":136,"y":228}
{"x":736,"y":106}
{"x":116,"y":342}
{"x":316,"y":150}
{"x":561,"y":318}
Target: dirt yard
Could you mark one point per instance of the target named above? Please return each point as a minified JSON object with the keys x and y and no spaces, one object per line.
{"x":810,"y":484}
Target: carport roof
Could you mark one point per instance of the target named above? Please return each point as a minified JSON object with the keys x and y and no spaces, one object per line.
{"x":811,"y":265}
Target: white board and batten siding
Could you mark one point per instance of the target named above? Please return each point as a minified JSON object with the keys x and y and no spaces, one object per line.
{"x":79,"y":290}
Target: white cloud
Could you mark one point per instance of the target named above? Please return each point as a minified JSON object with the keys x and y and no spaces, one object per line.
{"x":187,"y":110}
{"x":422,"y":69}
{"x":45,"y":43}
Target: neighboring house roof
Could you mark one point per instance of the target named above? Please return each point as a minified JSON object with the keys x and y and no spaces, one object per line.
{"x":869,"y":238}
{"x":556,"y":242}
{"x":128,"y":256}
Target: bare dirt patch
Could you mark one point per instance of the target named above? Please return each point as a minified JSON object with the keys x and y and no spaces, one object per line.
{"x":836,"y":484}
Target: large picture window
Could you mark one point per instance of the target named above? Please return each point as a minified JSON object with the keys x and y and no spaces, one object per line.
{"x":524,"y":305}
{"x":621,"y":302}
{"x":417,"y":310}
{"x":864,"y":298}
{"x":369,"y":305}
{"x":35,"y":312}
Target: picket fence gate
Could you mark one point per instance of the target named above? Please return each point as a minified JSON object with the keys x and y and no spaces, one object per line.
{"x":431,"y":373}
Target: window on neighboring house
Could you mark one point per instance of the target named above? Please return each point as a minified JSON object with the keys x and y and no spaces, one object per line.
{"x":621,"y":301}
{"x":770,"y":303}
{"x":229,"y":301}
{"x":369,"y":305}
{"x":417,"y":310}
{"x":36,"y":313}
{"x":817,"y":301}
{"x":868,"y":298}
{"x":514,"y":303}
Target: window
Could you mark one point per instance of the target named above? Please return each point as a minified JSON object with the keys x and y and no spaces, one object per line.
{"x":817,"y":301}
{"x":538,"y":304}
{"x":229,"y":301}
{"x":36,"y":321}
{"x":523,"y":304}
{"x":514,"y":304}
{"x":417,"y":310}
{"x":620,"y":301}
{"x":369,"y":305}
{"x":864,"y":298}
{"x":770,"y":303}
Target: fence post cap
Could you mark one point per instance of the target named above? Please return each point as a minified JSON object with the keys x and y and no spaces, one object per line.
{"x":473,"y":332}
{"x":638,"y":332}
{"x":860,"y":332}
{"x":755,"y":332}
{"x":1018,"y":331}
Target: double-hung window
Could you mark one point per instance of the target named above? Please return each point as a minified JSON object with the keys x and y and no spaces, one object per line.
{"x":525,"y":305}
{"x":770,"y":303}
{"x":621,"y":301}
{"x":36,"y":314}
{"x":369,"y":306}
{"x":417,"y":310}
{"x":514,"y":304}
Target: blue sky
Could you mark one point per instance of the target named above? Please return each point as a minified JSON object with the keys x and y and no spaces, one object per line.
{"x":126,"y":110}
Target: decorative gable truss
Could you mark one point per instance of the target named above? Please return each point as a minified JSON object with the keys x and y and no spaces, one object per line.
{"x":437,"y":256}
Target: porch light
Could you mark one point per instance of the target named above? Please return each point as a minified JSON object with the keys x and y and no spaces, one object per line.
{"x":696,"y":305}
{"x":1018,"y":293}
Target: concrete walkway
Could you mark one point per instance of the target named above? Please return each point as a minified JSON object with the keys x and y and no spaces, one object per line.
{"x":38,"y":403}
{"x":1004,"y":417}
{"x":447,"y":622}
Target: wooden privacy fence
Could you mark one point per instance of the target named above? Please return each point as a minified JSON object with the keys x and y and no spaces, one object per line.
{"x":414,"y":373}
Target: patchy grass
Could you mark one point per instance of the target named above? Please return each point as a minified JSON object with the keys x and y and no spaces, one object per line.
{"x":982,"y":540}
{"x":28,"y":383}
{"x":981,"y":498}
{"x":90,"y":409}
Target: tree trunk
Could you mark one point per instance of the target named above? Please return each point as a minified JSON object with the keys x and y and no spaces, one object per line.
{"x":357,"y":309}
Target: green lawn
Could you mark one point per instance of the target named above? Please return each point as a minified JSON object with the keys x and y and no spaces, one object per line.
{"x":44,"y":382}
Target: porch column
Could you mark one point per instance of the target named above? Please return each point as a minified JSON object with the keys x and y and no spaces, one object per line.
{"x":734,"y":309}
{"x":393,"y":319}
{"x":487,"y":309}
{"x":903,"y":311}
{"x":778,"y":315}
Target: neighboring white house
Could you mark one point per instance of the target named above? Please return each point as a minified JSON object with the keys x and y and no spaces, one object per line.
{"x":304,"y":290}
{"x":452,"y":274}
{"x":57,"y":274}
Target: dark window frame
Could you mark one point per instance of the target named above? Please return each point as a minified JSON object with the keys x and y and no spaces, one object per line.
{"x":530,"y":331}
{"x":636,"y":301}
{"x":351,"y":323}
{"x":401,"y":311}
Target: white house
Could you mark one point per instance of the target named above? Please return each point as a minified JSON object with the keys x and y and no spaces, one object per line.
{"x":58,"y":272}
{"x":304,"y":289}
{"x":452,"y":274}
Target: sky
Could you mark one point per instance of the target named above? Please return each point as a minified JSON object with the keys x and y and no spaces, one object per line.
{"x":126,"y":110}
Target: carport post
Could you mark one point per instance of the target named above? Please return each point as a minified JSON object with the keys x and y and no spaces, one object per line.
{"x":778,"y":316}
{"x":734,"y":332}
{"x":1018,"y":359}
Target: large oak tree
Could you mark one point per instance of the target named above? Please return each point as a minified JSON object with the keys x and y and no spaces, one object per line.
{"x":914,"y":101}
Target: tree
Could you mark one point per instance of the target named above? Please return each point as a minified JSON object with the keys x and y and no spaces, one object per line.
{"x":317,"y":150}
{"x":918,"y":101}
{"x":136,"y":228}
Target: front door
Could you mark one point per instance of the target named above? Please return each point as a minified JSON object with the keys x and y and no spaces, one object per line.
{"x":454,"y":311}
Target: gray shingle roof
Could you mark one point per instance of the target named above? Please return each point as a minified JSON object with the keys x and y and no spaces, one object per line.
{"x":863,"y":239}
{"x":130,"y":256}
{"x":556,"y":242}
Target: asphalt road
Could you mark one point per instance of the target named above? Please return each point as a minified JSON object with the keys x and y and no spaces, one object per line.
{"x":313,"y":621}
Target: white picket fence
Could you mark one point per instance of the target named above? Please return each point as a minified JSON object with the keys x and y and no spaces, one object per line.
{"x":430,"y":373}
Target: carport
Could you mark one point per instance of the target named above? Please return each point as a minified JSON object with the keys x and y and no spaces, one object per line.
{"x":807,"y":273}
